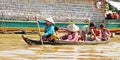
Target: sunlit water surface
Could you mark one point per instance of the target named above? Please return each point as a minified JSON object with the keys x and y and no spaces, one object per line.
{"x":17,"y":49}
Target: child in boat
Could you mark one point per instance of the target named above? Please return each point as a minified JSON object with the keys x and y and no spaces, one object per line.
{"x":87,"y":30}
{"x":91,"y":32}
{"x":49,"y":32}
{"x":56,"y":30}
{"x":105,"y":32}
{"x":72,"y":33}
{"x":83,"y":33}
{"x":97,"y":34}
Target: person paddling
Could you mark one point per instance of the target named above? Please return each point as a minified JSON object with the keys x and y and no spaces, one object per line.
{"x":49,"y":30}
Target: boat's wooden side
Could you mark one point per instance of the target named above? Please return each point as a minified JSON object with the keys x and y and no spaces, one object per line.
{"x":63,"y":42}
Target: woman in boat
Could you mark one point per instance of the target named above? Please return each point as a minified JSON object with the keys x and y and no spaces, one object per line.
{"x":49,"y":32}
{"x":72,"y":33}
{"x":54,"y":36}
{"x":105,"y":32}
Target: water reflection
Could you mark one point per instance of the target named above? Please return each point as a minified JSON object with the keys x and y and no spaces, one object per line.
{"x":18,"y":50}
{"x":62,"y":53}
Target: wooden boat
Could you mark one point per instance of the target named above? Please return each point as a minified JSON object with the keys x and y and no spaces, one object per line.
{"x":63,"y":42}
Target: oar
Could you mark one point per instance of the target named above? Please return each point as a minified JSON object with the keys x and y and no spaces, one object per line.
{"x":39,"y":29}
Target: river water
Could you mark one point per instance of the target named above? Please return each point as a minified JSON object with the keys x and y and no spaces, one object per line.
{"x":12,"y":47}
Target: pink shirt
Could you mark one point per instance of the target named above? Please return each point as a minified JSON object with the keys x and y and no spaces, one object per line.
{"x":73,"y":37}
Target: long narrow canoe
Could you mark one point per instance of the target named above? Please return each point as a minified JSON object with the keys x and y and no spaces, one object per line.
{"x":63,"y":42}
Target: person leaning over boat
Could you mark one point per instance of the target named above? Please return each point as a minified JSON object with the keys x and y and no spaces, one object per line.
{"x":49,"y":32}
{"x":92,"y":33}
{"x":72,"y":33}
{"x":83,"y":32}
{"x":97,"y":35}
{"x":87,"y":32}
{"x":105,"y":32}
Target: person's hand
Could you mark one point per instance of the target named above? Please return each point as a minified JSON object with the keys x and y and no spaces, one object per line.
{"x":40,"y":34}
{"x":106,"y":38}
{"x":57,"y":38}
{"x":67,"y":40}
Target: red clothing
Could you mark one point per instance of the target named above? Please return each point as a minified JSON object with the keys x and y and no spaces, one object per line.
{"x":116,"y":16}
{"x":97,"y":32}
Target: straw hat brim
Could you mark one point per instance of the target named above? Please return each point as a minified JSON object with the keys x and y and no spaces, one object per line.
{"x":50,"y":19}
{"x":72,"y":28}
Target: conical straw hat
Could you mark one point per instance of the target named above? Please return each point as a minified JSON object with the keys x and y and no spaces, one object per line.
{"x":50,"y":19}
{"x":72,"y":27}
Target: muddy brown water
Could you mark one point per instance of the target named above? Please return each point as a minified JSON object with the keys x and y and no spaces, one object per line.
{"x":12,"y":47}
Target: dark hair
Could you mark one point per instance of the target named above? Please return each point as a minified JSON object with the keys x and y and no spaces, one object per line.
{"x":56,"y":28}
{"x":96,"y":26}
{"x":92,"y":24}
{"x":102,"y":25}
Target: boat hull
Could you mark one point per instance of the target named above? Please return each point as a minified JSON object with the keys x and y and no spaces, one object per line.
{"x":63,"y":42}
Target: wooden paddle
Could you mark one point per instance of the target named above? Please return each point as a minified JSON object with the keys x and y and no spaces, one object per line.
{"x":39,"y":29}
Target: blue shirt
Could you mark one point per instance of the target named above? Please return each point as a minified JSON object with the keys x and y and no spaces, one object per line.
{"x":49,"y":30}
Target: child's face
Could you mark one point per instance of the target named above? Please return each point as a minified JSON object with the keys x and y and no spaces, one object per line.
{"x":91,"y":27}
{"x":102,"y":27}
{"x":95,"y":28}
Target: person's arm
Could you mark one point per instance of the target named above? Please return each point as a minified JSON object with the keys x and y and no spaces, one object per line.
{"x":92,"y":31}
{"x":100,"y":36}
{"x":109,"y":34}
{"x":50,"y":31}
{"x":83,"y":35}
